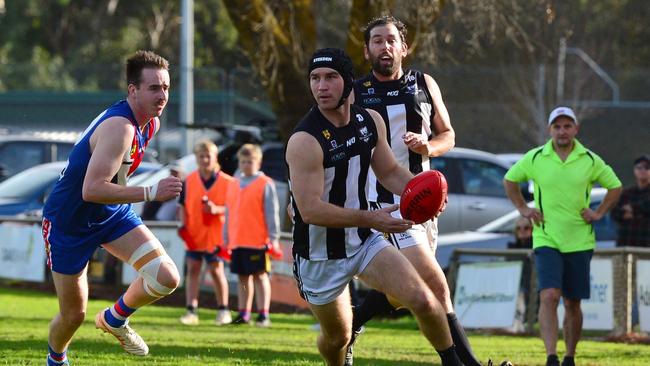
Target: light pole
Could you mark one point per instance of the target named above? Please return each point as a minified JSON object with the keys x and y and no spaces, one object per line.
{"x":186,"y":92}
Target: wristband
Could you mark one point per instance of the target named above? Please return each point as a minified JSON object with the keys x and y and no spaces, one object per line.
{"x":147,"y":193}
{"x":153,"y":190}
{"x":150,"y":192}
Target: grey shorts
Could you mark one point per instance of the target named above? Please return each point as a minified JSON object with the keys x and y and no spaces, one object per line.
{"x":321,"y":282}
{"x":425,"y":233}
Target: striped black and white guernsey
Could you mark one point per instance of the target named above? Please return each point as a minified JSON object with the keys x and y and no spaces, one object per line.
{"x":405,"y":105}
{"x":346,"y":161}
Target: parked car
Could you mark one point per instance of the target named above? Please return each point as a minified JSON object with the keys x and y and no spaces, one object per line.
{"x":25,"y":193}
{"x":475,"y":189}
{"x":19,"y":152}
{"x":498,"y":233}
{"x":510,"y":158}
{"x":527,"y":188}
{"x":25,"y":150}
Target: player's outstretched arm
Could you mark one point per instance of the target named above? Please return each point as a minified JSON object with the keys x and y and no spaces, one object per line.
{"x":307,"y":176}
{"x":391,"y":175}
{"x":109,"y":143}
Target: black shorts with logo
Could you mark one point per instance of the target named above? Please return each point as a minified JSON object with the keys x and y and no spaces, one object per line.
{"x":247,"y":261}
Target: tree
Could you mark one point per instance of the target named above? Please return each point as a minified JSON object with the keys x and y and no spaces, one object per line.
{"x":521,"y":40}
{"x":73,"y":45}
{"x":80,"y":45}
{"x":279,"y":36}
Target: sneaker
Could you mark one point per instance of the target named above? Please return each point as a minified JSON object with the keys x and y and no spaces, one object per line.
{"x":552,"y":360}
{"x":349,"y":353}
{"x":190,"y":318}
{"x":240,"y":320}
{"x":263,"y":322}
{"x":568,"y":361}
{"x":504,"y":363}
{"x":129,"y":339}
{"x":223,"y":317}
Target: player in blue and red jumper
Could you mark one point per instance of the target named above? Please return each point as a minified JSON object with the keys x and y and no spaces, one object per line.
{"x":90,"y":206}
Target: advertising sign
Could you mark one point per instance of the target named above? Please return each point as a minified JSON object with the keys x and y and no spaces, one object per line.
{"x":486,"y":294}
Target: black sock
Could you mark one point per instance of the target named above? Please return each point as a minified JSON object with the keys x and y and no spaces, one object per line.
{"x":222,"y":307}
{"x":374,"y":303}
{"x":568,"y":361}
{"x":449,"y":357}
{"x":191,"y":309}
{"x":463,"y":349}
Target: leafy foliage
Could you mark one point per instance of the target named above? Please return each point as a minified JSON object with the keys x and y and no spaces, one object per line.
{"x":261,"y":46}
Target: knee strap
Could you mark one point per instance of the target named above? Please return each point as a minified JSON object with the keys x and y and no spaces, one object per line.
{"x":147,"y":260}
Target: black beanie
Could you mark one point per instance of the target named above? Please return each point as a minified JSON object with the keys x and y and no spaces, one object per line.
{"x":336,"y":59}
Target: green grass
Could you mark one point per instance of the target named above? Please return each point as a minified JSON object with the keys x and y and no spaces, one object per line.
{"x":25,"y":315}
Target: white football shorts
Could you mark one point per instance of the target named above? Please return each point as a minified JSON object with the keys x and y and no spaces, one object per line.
{"x":321,"y":282}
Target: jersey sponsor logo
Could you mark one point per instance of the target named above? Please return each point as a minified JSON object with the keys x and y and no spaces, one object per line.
{"x":359,"y":117}
{"x":368,"y":91}
{"x":369,"y":101}
{"x":326,"y":134}
{"x":393,"y":93}
{"x":412,"y":89}
{"x":334,"y":144}
{"x":322,"y":59}
{"x":367,"y":83}
{"x":365,"y":134}
{"x":350,"y":141}
{"x":338,"y":156}
{"x":410,"y":78}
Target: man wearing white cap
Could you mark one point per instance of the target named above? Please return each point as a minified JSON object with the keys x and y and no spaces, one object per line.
{"x":563,"y":171}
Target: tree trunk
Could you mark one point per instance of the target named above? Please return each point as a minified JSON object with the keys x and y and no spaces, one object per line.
{"x":278,"y":39}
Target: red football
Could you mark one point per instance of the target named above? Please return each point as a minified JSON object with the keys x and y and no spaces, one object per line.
{"x":424,"y":196}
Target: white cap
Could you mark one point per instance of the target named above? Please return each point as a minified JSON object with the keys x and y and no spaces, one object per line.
{"x":562,"y":111}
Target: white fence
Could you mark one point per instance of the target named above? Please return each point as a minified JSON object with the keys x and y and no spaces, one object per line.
{"x":23,"y":257}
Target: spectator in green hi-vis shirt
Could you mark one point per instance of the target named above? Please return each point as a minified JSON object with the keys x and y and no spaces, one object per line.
{"x":563,"y":172}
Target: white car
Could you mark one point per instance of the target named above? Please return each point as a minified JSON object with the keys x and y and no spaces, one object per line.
{"x":498,"y":233}
{"x":475,"y":189}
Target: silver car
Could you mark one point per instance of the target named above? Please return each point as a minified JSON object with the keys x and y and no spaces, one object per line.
{"x":498,"y":233}
{"x":475,"y":188}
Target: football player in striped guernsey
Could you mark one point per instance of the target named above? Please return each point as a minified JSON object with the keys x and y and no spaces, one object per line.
{"x":336,"y":235}
{"x":418,"y":128}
